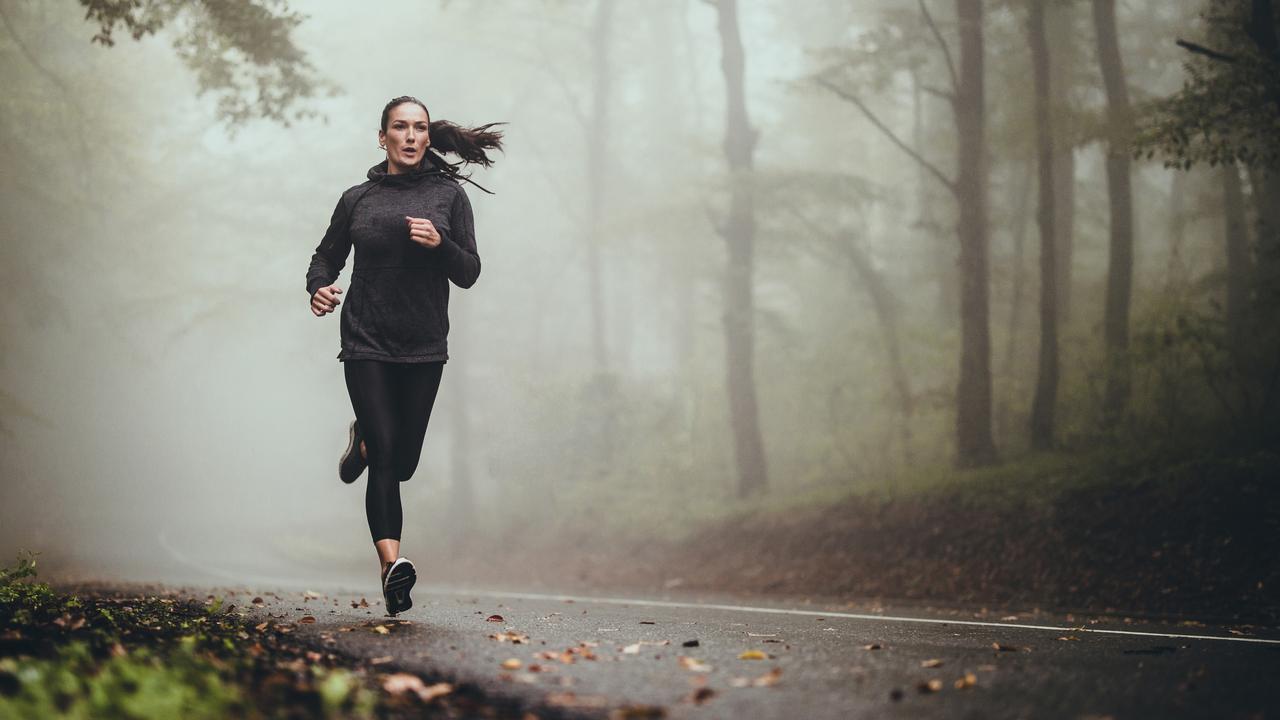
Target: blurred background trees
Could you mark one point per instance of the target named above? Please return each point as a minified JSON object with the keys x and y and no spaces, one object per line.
{"x":740,"y":255}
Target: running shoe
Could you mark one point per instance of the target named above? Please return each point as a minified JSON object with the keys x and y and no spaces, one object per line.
{"x":352,"y":463}
{"x":396,"y":584}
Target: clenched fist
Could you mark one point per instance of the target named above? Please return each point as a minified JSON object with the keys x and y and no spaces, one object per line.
{"x":325,"y":300}
{"x":423,"y":232}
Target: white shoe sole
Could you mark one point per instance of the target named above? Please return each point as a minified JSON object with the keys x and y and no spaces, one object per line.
{"x":395,"y":588}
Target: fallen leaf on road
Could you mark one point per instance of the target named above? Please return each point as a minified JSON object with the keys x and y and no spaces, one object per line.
{"x":495,"y":618}
{"x":752,"y":655}
{"x":968,"y":681}
{"x":311,"y":594}
{"x":633,"y":649}
{"x":514,"y":638}
{"x":306,"y":620}
{"x":1001,"y":647}
{"x":873,"y":646}
{"x":930,"y":686}
{"x":647,"y":622}
{"x":701,"y":695}
{"x":568,"y":699}
{"x":1009,"y":618}
{"x":512,"y":664}
{"x":751,"y":634}
{"x":931,"y":663}
{"x":381,"y":629}
{"x":690,"y":643}
{"x":398,"y":683}
{"x":1068,"y":637}
{"x":769,"y":679}
{"x":431,"y":692}
{"x":261,"y":627}
{"x":381,"y":660}
{"x":693,"y":664}
{"x":258,"y":601}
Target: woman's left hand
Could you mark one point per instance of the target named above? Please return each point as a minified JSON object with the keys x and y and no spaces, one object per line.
{"x":423,"y":232}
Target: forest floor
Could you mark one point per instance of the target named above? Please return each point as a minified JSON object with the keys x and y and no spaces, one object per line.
{"x":130,"y":650}
{"x":1149,"y":536}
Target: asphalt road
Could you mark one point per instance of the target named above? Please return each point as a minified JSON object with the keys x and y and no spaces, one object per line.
{"x":592,"y":657}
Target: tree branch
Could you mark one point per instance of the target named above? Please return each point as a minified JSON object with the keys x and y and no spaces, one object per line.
{"x":942,"y":43}
{"x":1202,"y":50}
{"x":933,"y":169}
{"x":939,"y":92}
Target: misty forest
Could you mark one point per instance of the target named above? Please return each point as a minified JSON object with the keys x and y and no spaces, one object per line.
{"x":954,"y":302}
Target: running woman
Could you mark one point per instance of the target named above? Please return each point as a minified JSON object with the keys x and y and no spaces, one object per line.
{"x":411,"y":226}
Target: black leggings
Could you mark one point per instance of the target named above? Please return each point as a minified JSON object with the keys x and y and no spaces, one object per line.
{"x":392,"y":402}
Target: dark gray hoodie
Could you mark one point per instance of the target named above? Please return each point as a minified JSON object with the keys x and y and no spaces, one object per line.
{"x":396,"y":305}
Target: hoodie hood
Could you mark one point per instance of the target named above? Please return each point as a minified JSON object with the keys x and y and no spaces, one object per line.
{"x":378,"y":173}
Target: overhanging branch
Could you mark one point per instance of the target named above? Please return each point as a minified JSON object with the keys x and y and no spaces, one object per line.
{"x":874,"y":120}
{"x":942,"y":43}
{"x":1207,"y":52}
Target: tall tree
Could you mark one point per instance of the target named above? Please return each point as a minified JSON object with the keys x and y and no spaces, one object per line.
{"x":1063,"y":39}
{"x":1227,"y":113}
{"x":1044,"y":404}
{"x":973,"y":393}
{"x":1120,"y":197}
{"x":967,"y":97}
{"x":739,"y":234}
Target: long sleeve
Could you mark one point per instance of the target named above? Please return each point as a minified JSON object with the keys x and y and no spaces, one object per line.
{"x":461,"y":258}
{"x":331,"y":254}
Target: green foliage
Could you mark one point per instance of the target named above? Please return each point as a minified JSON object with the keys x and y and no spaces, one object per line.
{"x":149,"y":657}
{"x":23,"y":567}
{"x":140,"y":684}
{"x":1229,"y":107}
{"x":242,"y":51}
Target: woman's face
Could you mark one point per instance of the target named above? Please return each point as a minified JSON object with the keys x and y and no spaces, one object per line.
{"x":405,"y":137}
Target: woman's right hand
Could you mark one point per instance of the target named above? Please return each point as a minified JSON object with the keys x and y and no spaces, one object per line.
{"x":325,"y":300}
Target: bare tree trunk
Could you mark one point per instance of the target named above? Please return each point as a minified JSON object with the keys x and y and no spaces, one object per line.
{"x":1060,"y":26}
{"x":1120,"y":193}
{"x":975,"y":445}
{"x":1265,"y":185}
{"x":1044,"y":404}
{"x":739,"y":233}
{"x":1013,"y":335}
{"x":1239,"y":270}
{"x":597,"y":133}
{"x":943,"y":258}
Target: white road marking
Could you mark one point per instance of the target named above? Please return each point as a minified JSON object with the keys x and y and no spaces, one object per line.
{"x":850,"y":616}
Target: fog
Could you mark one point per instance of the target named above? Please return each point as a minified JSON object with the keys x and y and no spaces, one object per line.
{"x":172,"y":411}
